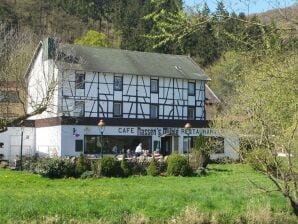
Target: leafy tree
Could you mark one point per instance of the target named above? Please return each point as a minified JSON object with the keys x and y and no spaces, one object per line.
{"x":264,"y":112}
{"x":93,"y":39}
{"x":264,"y":107}
{"x":129,"y":20}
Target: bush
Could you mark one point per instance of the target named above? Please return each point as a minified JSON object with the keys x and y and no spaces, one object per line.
{"x":69,"y":167}
{"x":110,"y":167}
{"x":264,"y":161}
{"x":52,"y":168}
{"x":178,"y":166}
{"x":152,"y":169}
{"x":81,"y":166}
{"x":139,"y":168}
{"x":125,"y":168}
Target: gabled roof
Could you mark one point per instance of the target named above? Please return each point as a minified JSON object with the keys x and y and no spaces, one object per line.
{"x":210,"y":97}
{"x":128,"y":62}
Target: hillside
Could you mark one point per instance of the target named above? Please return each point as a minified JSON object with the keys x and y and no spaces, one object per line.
{"x":284,"y":17}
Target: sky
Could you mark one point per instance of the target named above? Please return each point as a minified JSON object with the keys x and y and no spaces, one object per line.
{"x":246,"y":6}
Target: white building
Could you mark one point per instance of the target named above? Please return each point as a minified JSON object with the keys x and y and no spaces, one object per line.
{"x":142,"y":97}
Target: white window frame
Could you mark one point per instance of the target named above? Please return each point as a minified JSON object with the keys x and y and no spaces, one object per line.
{"x":191,"y":91}
{"x":154,"y":85}
{"x":119,"y":114}
{"x":154,"y":114}
{"x":193,"y":113}
{"x":79,"y":108}
{"x":80,"y":80}
{"x":118,"y":83}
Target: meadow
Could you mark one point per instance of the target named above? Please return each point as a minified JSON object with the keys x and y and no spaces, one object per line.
{"x":227,"y":191}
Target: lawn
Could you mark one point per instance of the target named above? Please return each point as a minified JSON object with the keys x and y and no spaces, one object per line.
{"x":225,"y":190}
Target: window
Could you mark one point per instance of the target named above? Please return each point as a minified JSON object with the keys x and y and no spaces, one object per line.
{"x":153,"y":111}
{"x":191,"y":88}
{"x":217,"y":144}
{"x":93,"y":144}
{"x":191,"y":112}
{"x":80,"y":81}
{"x":79,"y":109}
{"x":118,"y":83}
{"x":9,"y":96}
{"x":154,"y":85}
{"x":117,"y":109}
{"x":79,"y":146}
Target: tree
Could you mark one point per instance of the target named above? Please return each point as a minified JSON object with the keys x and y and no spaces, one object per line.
{"x":16,"y":104}
{"x":93,"y":39}
{"x":264,"y":107}
{"x":263,"y":112}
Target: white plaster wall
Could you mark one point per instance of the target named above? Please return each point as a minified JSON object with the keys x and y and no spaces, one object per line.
{"x":12,"y":142}
{"x":48,"y":141}
{"x":43,"y":76}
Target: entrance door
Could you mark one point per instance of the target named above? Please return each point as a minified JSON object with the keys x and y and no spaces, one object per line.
{"x":166,"y":145}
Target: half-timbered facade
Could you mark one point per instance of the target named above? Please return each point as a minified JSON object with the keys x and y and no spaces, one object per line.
{"x":129,"y":96}
{"x":142,"y":97}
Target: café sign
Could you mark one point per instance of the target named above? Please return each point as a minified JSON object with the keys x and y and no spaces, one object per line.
{"x":160,"y":132}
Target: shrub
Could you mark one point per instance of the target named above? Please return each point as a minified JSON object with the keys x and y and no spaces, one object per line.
{"x":52,"y":168}
{"x":69,"y":168}
{"x":152,"y":169}
{"x":110,"y":167}
{"x":139,"y":168}
{"x":81,"y":166}
{"x":96,"y":167}
{"x":125,"y":168}
{"x":200,"y":157}
{"x":178,"y":166}
{"x":263,"y":160}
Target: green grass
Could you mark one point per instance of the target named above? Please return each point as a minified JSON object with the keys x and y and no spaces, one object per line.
{"x":226,"y":190}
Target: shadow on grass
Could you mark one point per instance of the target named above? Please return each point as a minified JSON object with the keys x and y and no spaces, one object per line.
{"x":220,"y":170}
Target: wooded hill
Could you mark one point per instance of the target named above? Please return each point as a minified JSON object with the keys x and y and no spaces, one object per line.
{"x":124,"y":25}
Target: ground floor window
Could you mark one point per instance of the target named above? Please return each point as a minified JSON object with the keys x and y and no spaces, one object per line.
{"x":79,"y":146}
{"x":187,"y":143}
{"x":217,"y":143}
{"x":115,"y":144}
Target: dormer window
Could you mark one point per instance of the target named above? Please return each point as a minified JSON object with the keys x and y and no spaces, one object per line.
{"x":191,"y":88}
{"x":80,"y":81}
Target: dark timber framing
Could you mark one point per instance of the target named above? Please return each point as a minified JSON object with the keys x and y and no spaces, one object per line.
{"x":99,"y":95}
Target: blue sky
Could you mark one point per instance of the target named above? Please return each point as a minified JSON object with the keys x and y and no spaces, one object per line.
{"x":246,"y":6}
